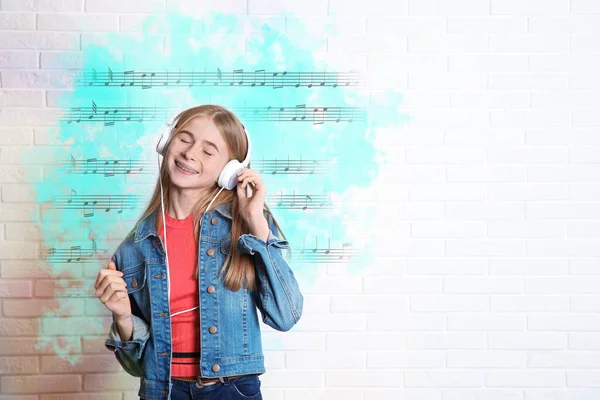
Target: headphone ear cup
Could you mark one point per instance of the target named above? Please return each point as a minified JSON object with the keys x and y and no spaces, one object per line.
{"x":162,"y":142}
{"x":228,"y":176}
{"x":160,"y":147}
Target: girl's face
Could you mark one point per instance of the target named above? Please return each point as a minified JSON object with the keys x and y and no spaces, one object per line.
{"x":198,"y":147}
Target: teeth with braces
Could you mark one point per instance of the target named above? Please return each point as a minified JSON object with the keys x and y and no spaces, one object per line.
{"x":185,"y":169}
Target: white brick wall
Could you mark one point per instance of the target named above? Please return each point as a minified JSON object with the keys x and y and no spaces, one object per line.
{"x":487,"y":278}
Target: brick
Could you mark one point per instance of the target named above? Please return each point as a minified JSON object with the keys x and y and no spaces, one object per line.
{"x":394,"y":25}
{"x":17,"y":60}
{"x":584,"y":7}
{"x":526,"y":7}
{"x":14,"y":288}
{"x":445,"y":8}
{"x":185,"y":7}
{"x":86,"y":364}
{"x":566,"y":25}
{"x":17,"y":21}
{"x":376,"y":7}
{"x":21,"y":346}
{"x":106,"y":382}
{"x":39,"y":40}
{"x":499,"y":25}
{"x":526,"y":379}
{"x":36,"y":79}
{"x":42,"y":5}
{"x":19,"y":327}
{"x":125,"y":6}
{"x":447,"y":44}
{"x":406,"y":359}
{"x":41,"y":383}
{"x":77,"y":22}
{"x":21,"y":98}
{"x":342,"y":359}
{"x":318,"y":25}
{"x":367,"y":377}
{"x":15,"y":137}
{"x":529,"y":44}
{"x":19,"y":365}
{"x":42,"y":307}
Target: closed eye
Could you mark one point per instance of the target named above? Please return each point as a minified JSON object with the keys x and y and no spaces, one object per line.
{"x":185,"y":141}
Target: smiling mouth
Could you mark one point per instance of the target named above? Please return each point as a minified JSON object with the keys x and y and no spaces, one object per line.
{"x":185,"y":169}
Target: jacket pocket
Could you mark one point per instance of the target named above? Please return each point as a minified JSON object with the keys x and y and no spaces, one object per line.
{"x":135,"y":277}
{"x":225,"y":243}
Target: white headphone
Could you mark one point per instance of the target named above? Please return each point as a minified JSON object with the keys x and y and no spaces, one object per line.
{"x":228,"y":177}
{"x":227,"y":180}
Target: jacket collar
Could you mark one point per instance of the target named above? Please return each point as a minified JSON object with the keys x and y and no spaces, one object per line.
{"x":146,"y":226}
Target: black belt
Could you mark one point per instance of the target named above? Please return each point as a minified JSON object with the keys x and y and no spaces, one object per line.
{"x":203,"y":381}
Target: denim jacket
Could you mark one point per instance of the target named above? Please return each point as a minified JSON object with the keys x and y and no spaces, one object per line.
{"x":235,"y":348}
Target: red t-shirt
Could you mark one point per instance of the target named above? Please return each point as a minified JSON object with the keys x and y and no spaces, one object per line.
{"x":182,"y":250}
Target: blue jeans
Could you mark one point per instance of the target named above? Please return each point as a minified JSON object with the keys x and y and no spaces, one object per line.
{"x":246,"y":387}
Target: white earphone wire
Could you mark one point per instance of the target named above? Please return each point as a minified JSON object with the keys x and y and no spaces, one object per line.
{"x":165,"y":233}
{"x":248,"y":194}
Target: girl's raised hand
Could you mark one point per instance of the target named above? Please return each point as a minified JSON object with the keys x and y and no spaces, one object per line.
{"x":111,"y":289}
{"x":250,"y":207}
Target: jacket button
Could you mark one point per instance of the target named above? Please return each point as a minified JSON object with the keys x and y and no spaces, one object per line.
{"x":215,"y":368}
{"x":213,"y":220}
{"x":212,"y":329}
{"x":210,"y":289}
{"x":210,"y":252}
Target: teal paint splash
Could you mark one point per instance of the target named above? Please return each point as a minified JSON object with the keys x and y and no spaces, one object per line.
{"x":196,"y":45}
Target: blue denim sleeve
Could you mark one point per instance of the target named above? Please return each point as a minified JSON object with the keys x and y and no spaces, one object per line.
{"x":129,"y":353}
{"x":278,"y":299}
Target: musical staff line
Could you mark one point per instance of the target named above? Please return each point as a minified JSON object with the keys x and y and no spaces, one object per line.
{"x":112,"y":167}
{"x":72,"y":255}
{"x":299,"y":113}
{"x":327,"y":254}
{"x":237,"y":77}
{"x":303,"y":202}
{"x":90,"y":203}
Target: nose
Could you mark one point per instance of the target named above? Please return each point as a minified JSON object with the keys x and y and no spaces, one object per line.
{"x":189,"y":153}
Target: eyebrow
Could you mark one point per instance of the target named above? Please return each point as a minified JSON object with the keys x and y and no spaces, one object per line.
{"x":204,"y":140}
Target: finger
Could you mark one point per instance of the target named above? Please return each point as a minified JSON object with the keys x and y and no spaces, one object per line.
{"x":117,"y":296}
{"x":108,"y":281}
{"x":253,"y":184}
{"x":252,"y":180}
{"x":104,"y":273}
{"x":110,"y":289}
{"x":246,"y":172}
{"x":114,"y":294}
{"x":240,"y":191}
{"x":110,"y":286}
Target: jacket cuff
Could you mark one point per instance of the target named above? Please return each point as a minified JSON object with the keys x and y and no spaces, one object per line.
{"x":141,"y":334}
{"x":249,"y":243}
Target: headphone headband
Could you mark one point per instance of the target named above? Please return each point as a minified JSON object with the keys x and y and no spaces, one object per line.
{"x":164,"y":138}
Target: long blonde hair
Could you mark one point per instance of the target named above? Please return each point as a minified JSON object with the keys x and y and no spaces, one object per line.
{"x":239,"y":267}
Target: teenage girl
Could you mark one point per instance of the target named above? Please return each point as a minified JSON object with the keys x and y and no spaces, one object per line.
{"x":184,"y":304}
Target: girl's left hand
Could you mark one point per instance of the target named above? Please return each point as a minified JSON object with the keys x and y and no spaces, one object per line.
{"x":251,"y":207}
